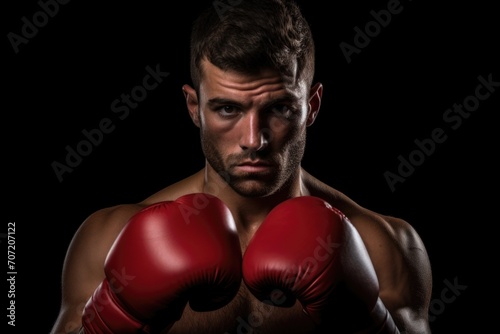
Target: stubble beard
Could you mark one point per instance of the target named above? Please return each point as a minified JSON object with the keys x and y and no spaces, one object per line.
{"x":285,"y":163}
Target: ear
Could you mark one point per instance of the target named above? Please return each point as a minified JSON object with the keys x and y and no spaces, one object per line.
{"x":315,"y":95}
{"x":192,"y":103}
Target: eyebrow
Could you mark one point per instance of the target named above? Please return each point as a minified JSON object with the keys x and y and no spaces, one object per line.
{"x":217,"y":101}
{"x":222,"y":101}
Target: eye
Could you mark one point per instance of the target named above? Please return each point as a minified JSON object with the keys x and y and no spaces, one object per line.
{"x":227,"y":111}
{"x":282,"y":110}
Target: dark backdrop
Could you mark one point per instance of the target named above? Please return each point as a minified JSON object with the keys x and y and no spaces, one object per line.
{"x":62,"y":78}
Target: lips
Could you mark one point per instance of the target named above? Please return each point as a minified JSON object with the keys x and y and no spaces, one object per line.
{"x":254,"y":163}
{"x":254,"y":166}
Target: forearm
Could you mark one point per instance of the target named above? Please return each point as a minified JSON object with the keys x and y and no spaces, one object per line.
{"x":410,"y":321}
{"x":384,"y":322}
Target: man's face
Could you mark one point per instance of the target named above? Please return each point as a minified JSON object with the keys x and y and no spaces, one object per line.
{"x":252,"y":127}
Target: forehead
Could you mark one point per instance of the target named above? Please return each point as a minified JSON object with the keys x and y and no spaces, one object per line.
{"x":216,"y":81}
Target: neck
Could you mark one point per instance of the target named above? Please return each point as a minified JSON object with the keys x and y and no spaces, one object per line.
{"x":250,"y":211}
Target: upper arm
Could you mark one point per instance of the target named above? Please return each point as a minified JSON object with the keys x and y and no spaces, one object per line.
{"x":83,"y":268}
{"x":404,"y":272}
{"x":402,"y":266}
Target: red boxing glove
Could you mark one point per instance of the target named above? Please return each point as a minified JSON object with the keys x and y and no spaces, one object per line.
{"x":168,"y":254}
{"x":307,"y":250}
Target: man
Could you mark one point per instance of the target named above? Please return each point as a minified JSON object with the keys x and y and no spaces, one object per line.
{"x":252,"y":243}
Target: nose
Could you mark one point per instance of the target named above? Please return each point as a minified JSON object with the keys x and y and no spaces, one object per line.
{"x":253,"y":134}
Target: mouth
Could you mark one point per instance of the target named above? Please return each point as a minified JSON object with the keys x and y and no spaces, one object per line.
{"x":254,"y":166}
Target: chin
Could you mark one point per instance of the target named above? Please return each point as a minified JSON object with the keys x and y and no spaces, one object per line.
{"x":254,"y":188}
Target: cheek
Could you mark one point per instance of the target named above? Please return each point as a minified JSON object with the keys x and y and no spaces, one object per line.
{"x":221,"y":134}
{"x":281,"y":131}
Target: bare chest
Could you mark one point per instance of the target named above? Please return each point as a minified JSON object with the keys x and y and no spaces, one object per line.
{"x":245,"y":314}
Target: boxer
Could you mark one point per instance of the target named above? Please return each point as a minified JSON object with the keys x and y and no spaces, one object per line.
{"x":252,"y":242}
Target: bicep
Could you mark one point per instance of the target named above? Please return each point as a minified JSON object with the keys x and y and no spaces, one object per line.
{"x":406,"y":289}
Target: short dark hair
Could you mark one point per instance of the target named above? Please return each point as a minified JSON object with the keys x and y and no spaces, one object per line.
{"x":251,"y":35}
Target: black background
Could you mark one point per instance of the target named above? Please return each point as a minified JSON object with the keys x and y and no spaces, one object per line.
{"x":394,"y":91}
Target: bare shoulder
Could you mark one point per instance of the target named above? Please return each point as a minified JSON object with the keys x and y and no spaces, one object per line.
{"x":97,"y":233}
{"x":83,"y":267}
{"x":92,"y":241}
{"x":191,"y":184}
{"x":95,"y":236}
{"x":105,"y":224}
{"x":377,"y":230}
{"x":397,"y":252}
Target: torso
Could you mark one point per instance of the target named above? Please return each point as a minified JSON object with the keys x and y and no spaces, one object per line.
{"x":246,"y":314}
